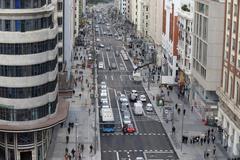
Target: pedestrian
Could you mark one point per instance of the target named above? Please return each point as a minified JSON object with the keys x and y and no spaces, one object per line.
{"x":67,"y":139}
{"x":168,"y":92}
{"x":173,"y":130}
{"x":82,"y":147}
{"x":192,"y":109}
{"x":201,"y":141}
{"x":184,"y":112}
{"x":214,"y":150}
{"x":178,"y":95}
{"x":89,"y":111}
{"x":176,"y":106}
{"x":80,"y":95}
{"x":91,"y":148}
{"x":69,"y":157}
{"x":73,"y":152}
{"x":69,"y":130}
{"x":204,"y":139}
{"x":213,"y":139}
{"x":208,"y":140}
{"x":179,"y":110}
{"x":208,"y":132}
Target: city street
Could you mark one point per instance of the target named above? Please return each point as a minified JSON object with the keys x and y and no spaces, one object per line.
{"x":149,"y":140}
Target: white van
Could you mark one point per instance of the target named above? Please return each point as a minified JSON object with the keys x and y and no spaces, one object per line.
{"x":138,"y":108}
{"x":133,"y":96}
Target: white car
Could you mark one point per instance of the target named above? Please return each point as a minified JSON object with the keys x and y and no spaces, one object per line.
{"x":122,"y":97}
{"x":100,"y":65}
{"x":98,"y":40}
{"x":143,"y":98}
{"x":103,"y":94}
{"x":149,"y":107}
{"x":104,"y":101}
{"x":101,"y":45}
{"x":103,"y":83}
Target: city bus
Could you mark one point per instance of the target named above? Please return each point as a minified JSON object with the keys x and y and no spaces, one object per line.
{"x":107,"y":124}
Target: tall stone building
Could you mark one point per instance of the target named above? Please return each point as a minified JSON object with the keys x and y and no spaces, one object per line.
{"x":29,"y":103}
{"x":229,"y":92}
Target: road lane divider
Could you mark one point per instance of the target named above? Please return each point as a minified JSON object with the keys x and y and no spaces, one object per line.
{"x":116,"y":98}
{"x":130,"y":109}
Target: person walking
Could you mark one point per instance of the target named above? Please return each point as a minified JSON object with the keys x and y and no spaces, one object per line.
{"x":67,"y":139}
{"x":214,"y":150}
{"x":89,"y":111}
{"x":213,"y":139}
{"x":179,"y":110}
{"x":184,"y":112}
{"x":69,"y":130}
{"x":91,"y":148}
{"x":173,"y":130}
{"x":73,"y":152}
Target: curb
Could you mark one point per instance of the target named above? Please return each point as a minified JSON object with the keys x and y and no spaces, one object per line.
{"x":161,"y":120}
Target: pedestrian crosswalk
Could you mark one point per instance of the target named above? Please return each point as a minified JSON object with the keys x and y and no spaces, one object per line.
{"x":132,"y":134}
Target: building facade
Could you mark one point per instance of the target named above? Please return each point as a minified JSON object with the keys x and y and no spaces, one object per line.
{"x":229,"y":91}
{"x":185,"y":25}
{"x":170,"y":40}
{"x":60,"y":20}
{"x":28,"y":78}
{"x":123,"y":7}
{"x":207,"y":57}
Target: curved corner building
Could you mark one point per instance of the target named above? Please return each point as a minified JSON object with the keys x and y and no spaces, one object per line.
{"x":29,"y":107}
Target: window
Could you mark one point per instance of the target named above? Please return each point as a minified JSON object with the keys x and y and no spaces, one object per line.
{"x":235,"y":10}
{"x":231,"y":88}
{"x":60,"y":6}
{"x":237,"y":94}
{"x":225,"y":82}
{"x":233,"y":44}
{"x":234,"y":27}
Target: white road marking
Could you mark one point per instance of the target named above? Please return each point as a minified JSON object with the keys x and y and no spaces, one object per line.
{"x":121,"y":78}
{"x":109,"y":99}
{"x":108,"y":59}
{"x":130,"y":109}
{"x":105,"y":77}
{"x":123,"y":61}
{"x":129,"y":76}
{"x":117,"y":154}
{"x":118,"y":107}
{"x":112,"y":77}
{"x":103,"y":60}
{"x":115,"y":59}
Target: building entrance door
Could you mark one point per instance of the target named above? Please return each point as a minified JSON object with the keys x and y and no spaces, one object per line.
{"x":26,"y":155}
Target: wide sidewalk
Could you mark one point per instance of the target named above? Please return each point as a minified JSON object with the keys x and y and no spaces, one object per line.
{"x":83,"y":131}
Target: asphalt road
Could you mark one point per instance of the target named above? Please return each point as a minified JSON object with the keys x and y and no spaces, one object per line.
{"x":150,"y":140}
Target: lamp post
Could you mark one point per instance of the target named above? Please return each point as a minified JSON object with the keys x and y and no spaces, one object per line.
{"x":76,"y":136}
{"x":182,"y":127}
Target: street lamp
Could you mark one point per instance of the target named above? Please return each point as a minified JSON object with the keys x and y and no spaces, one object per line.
{"x":76,"y":136}
{"x":182,"y":127}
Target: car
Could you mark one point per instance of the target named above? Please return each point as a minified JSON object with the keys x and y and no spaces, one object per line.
{"x":104,"y":33}
{"x":117,"y":54}
{"x":149,"y":107}
{"x":104,"y":100}
{"x":113,"y":66}
{"x":133,"y":95}
{"x":103,"y":94}
{"x":121,"y":97}
{"x":139,"y":158}
{"x":103,"y":86}
{"x":103,"y":83}
{"x":126,"y":119}
{"x":143,"y":98}
{"x":109,"y":34}
{"x":105,"y":106}
{"x":98,"y":40}
{"x":125,"y":101}
{"x":124,"y":107}
{"x":101,"y":45}
{"x":100,"y":65}
{"x":103,"y":90}
{"x":128,"y":128}
{"x":108,"y":49}
{"x":108,"y":24}
{"x":116,"y":35}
